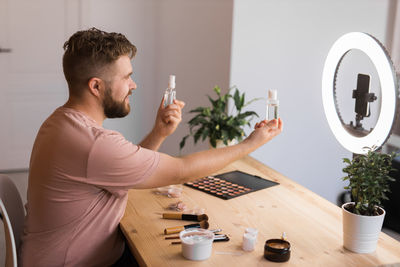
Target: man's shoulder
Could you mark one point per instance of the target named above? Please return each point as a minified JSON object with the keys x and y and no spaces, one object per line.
{"x":102,"y":134}
{"x":80,"y":121}
{"x":65,"y":123}
{"x":109,"y":137}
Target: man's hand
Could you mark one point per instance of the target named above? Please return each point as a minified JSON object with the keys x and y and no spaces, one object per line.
{"x":264,"y":131}
{"x":168,"y":118}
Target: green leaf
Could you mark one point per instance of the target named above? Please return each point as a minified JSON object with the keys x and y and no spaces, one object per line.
{"x":206,"y":112}
{"x":236,"y":98}
{"x":224,"y":135}
{"x":183,"y":141}
{"x":217,"y":89}
{"x":213,"y":142}
{"x":213,"y":102}
{"x":253,"y":100}
{"x":247,"y":114}
{"x":198,"y":120}
{"x":197,"y":135}
{"x":199,"y":109}
{"x":345,"y":160}
{"x":204,"y":134}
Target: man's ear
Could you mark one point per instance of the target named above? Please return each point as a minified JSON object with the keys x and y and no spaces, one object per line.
{"x":96,"y":86}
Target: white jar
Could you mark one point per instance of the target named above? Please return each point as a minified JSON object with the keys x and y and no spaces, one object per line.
{"x":249,"y":239}
{"x":196,"y":243}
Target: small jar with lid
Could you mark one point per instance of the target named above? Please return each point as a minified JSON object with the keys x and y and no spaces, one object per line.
{"x":277,"y":250}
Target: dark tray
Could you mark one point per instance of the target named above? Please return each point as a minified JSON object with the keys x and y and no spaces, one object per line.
{"x":231,"y":184}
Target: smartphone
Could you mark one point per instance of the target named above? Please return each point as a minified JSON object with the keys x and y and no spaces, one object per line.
{"x":361,"y":94}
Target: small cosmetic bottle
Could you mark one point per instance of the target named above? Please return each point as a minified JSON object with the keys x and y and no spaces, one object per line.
{"x":249,"y":239}
{"x":170,"y":93}
{"x":272,"y":105}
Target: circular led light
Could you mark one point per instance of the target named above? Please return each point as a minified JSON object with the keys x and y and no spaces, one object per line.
{"x":387,"y":77}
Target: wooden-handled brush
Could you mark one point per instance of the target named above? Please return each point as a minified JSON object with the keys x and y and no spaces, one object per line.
{"x":217,"y":238}
{"x":177,"y":236}
{"x":177,"y":229}
{"x":185,"y":217}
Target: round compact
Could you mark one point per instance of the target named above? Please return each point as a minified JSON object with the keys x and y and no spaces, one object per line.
{"x":277,"y":250}
{"x":196,"y":243}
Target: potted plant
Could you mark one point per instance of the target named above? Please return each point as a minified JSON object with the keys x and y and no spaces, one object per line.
{"x":368,"y":177}
{"x":216,"y":124}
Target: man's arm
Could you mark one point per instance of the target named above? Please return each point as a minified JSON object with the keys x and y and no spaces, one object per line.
{"x":167,"y":120}
{"x":152,"y":141}
{"x":172,"y":170}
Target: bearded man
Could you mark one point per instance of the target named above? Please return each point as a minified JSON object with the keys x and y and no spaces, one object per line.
{"x":80,"y":172}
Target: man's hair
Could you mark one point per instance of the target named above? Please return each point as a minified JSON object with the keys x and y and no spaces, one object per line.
{"x":88,"y":53}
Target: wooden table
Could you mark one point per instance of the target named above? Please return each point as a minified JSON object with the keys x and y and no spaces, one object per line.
{"x":312,"y":224}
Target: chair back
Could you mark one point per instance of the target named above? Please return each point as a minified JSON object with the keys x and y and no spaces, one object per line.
{"x":12,"y":212}
{"x":11,"y":248}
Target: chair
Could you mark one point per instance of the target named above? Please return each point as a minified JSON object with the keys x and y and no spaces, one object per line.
{"x":12,"y":213}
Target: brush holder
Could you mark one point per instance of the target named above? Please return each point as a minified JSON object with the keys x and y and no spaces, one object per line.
{"x":196,"y":243}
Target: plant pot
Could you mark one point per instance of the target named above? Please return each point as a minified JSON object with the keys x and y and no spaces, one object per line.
{"x":220,"y":143}
{"x":361,"y":233}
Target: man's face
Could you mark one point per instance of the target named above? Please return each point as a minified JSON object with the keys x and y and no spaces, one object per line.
{"x":118,"y":88}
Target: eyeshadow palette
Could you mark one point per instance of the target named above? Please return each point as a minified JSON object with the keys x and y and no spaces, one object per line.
{"x":231,"y":184}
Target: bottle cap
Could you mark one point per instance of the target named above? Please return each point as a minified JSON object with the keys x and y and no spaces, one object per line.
{"x":171,"y":82}
{"x":251,"y":231}
{"x":272,"y":94}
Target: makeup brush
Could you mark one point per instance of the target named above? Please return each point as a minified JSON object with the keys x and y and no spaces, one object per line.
{"x":185,"y":217}
{"x":177,"y":229}
{"x":217,"y":238}
{"x":177,"y":236}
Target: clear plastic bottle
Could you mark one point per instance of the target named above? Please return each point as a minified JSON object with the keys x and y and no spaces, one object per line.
{"x":170,"y":93}
{"x":272,"y":105}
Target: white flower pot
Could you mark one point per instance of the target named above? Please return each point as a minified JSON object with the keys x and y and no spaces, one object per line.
{"x":361,"y":233}
{"x":220,"y":143}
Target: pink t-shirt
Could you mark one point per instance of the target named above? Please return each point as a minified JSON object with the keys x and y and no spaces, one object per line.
{"x":78,"y":181}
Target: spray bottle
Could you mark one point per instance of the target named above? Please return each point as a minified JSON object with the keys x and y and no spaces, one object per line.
{"x":170,"y":93}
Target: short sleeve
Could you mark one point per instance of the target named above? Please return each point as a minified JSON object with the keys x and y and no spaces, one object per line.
{"x":115,"y":163}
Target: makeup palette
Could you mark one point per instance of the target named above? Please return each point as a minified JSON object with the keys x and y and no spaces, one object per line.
{"x":231,"y":184}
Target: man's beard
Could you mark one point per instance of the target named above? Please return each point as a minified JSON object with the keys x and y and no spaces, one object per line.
{"x":112,"y":108}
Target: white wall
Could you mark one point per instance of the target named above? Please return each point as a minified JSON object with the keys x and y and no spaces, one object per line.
{"x":282,"y":44}
{"x":31,"y":79}
{"x":193,"y":42}
{"x":136,"y":20}
{"x":188,"y":38}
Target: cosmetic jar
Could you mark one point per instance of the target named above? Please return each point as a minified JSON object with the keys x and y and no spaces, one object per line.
{"x":173,"y":191}
{"x":196,"y":243}
{"x":249,"y":239}
{"x":277,"y":250}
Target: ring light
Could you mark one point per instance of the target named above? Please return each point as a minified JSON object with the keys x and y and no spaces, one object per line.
{"x":387,"y":77}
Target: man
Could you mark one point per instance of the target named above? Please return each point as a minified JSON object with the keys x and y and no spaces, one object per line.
{"x":80,"y":172}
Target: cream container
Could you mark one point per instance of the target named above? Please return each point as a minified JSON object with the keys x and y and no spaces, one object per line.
{"x":196,"y":243}
{"x":249,"y":239}
{"x":249,"y":242}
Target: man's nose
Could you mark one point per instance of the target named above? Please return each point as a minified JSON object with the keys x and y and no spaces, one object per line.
{"x":133,"y":85}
